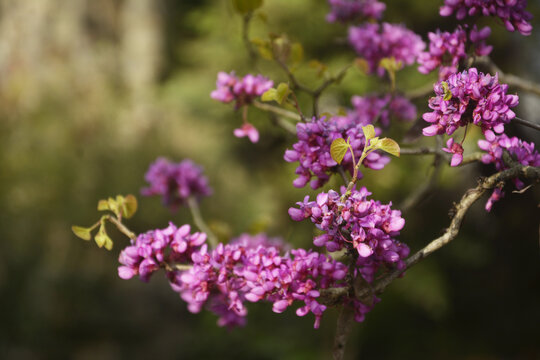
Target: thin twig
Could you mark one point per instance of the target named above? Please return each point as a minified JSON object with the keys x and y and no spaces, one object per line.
{"x":198,"y":220}
{"x":527,"y":123}
{"x":123,"y":229}
{"x":418,"y":151}
{"x":318,"y":91}
{"x":510,"y":79}
{"x":277,"y":110}
{"x":468,"y":199}
{"x":245,"y":37}
{"x":420,"y":92}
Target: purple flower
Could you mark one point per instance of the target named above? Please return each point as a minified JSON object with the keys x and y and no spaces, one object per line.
{"x":374,"y":42}
{"x":312,"y":151}
{"x":247,"y":130}
{"x":511,"y":12}
{"x":519,"y":150}
{"x":243,"y":91}
{"x":158,"y":248}
{"x":469,"y":97}
{"x":447,"y":50}
{"x":351,"y":10}
{"x":355,"y":222}
{"x":175,"y":182}
{"x":455,"y":149}
{"x":253,"y":269}
{"x":368,"y":109}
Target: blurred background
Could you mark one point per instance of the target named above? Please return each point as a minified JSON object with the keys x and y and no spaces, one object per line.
{"x":93,"y":91}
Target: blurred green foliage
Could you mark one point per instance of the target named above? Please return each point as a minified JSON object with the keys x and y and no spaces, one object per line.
{"x":92,"y":91}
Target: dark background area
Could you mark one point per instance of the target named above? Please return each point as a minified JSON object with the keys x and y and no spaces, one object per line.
{"x":92,"y":91}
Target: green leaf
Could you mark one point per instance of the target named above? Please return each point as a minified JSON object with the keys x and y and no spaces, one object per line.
{"x":338,"y":149}
{"x":318,"y":66}
{"x":102,"y":239}
{"x":447,"y":92}
{"x":103,"y":205}
{"x":269,"y":95}
{"x":82,"y":232}
{"x":389,"y":145}
{"x":369,"y":132}
{"x":282,"y":92}
{"x":246,"y":6}
{"x":129,"y":207}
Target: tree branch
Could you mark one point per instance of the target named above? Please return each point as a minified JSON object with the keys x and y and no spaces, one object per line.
{"x":277,"y":110}
{"x":527,"y":123}
{"x":344,"y":326}
{"x":511,"y":80}
{"x":334,"y":296}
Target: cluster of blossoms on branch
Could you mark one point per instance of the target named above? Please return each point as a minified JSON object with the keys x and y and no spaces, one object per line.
{"x":447,"y":50}
{"x":176,"y":182}
{"x":511,"y":12}
{"x":382,"y":108}
{"x":242,"y":91}
{"x":352,"y":10}
{"x":469,"y":97}
{"x":520,"y":151}
{"x":356,"y":222}
{"x":375,"y":42}
{"x":312,"y":150}
{"x":158,"y":248}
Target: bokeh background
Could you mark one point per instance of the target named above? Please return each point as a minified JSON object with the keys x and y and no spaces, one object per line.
{"x":92,"y":91}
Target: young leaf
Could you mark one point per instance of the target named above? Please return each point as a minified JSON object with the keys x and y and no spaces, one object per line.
{"x":390,"y":146}
{"x":369,"y":132}
{"x":269,"y":95}
{"x":338,"y":149}
{"x":103,"y":205}
{"x":102,"y":239}
{"x":447,"y":92}
{"x":282,"y":92}
{"x":82,"y":232}
{"x":129,"y":207}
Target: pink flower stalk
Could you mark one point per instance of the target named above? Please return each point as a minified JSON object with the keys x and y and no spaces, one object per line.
{"x":469,"y":97}
{"x":511,"y":12}
{"x":176,"y":182}
{"x":447,"y":50}
{"x":351,"y":10}
{"x":374,"y":42}
{"x":230,"y":88}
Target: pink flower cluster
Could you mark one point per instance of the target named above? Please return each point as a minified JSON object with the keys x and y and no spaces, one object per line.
{"x":372,"y":108}
{"x":356,"y":222}
{"x":447,"y":50}
{"x":243,"y":91}
{"x":511,"y":12}
{"x":232,"y":274}
{"x":175,"y":182}
{"x":469,"y":97}
{"x":521,"y":151}
{"x":312,"y":150}
{"x":351,"y":10}
{"x":375,"y":42}
{"x":157,"y":248}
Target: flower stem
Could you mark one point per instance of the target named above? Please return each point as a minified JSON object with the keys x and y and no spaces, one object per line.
{"x":198,"y":220}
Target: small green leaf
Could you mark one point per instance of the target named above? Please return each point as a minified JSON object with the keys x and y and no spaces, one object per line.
{"x":103,"y":205}
{"x":389,"y":145}
{"x":447,"y":92}
{"x":129,"y":207}
{"x":282,"y":92}
{"x":318,"y":66}
{"x":369,"y":132}
{"x":338,"y":149}
{"x":269,"y":95}
{"x":362,"y":65}
{"x":246,"y":6}
{"x":102,"y":239}
{"x":82,"y":232}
